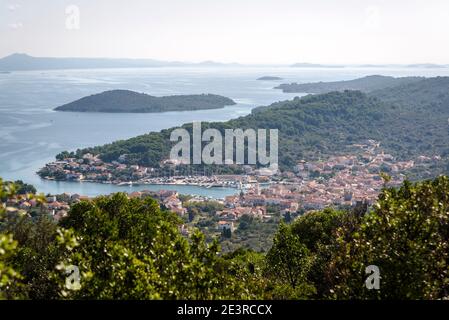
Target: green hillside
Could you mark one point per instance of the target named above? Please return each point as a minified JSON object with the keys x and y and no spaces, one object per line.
{"x":321,"y":125}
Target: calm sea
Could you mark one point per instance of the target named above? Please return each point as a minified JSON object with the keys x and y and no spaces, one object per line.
{"x":31,"y":134}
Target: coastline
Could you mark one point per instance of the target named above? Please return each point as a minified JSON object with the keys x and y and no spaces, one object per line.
{"x":141,"y":183}
{"x":96,"y":188}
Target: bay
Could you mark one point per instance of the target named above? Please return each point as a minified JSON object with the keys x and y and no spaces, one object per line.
{"x":31,"y":133}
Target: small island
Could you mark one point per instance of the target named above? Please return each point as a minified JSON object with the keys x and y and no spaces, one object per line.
{"x":269,"y":78}
{"x":126,"y":101}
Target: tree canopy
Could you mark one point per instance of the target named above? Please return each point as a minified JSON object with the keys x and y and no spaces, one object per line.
{"x":131,"y":249}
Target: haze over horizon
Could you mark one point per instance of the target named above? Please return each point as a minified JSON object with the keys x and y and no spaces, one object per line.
{"x":215,"y":62}
{"x":247,"y":32}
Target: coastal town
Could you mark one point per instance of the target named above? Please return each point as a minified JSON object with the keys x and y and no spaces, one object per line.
{"x":91,"y":168}
{"x":343,"y":180}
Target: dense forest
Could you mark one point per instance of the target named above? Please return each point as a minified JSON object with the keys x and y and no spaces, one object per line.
{"x":408,"y":120}
{"x":312,"y":124}
{"x":130,"y":101}
{"x":131,"y":249}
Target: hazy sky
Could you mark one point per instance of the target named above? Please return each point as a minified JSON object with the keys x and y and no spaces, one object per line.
{"x":246,"y":31}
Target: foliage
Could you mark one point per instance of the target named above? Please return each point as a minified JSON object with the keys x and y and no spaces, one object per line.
{"x":204,"y":206}
{"x":8,"y":276}
{"x":247,"y":267}
{"x":130,"y":249}
{"x":36,"y":255}
{"x":252,"y":234}
{"x":24,"y":188}
{"x":406,"y":235}
{"x":289,"y":261}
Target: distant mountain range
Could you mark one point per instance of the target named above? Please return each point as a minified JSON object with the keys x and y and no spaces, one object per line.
{"x":126,"y":101}
{"x":24,"y":62}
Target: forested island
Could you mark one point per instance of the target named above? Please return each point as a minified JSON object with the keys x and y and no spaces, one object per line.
{"x":122,"y":101}
{"x":365,"y":84}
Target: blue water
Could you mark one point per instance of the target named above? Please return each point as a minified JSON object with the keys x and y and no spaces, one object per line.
{"x":31,"y":134}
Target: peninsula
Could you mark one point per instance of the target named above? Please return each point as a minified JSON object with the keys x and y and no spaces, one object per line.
{"x":365,"y":84}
